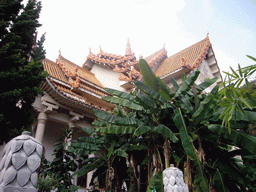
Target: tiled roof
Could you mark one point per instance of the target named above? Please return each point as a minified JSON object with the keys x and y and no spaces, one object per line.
{"x":190,"y":58}
{"x":72,"y":69}
{"x":156,"y":57}
{"x":54,"y":70}
{"x":74,"y":83}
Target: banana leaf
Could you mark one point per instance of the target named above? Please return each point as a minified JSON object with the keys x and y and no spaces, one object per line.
{"x":105,"y":119}
{"x":239,"y":139}
{"x":225,"y":166}
{"x":90,"y":140}
{"x":150,"y":91}
{"x":184,"y":136}
{"x":175,"y":84}
{"x":154,"y":82}
{"x":149,"y":76}
{"x":136,"y":147}
{"x":89,"y":167}
{"x":190,"y":150}
{"x":120,"y":94}
{"x":207,"y":83}
{"x":123,"y":102}
{"x":218,"y":181}
{"x":105,"y":116}
{"x":146,"y":102}
{"x":141,"y":130}
{"x":111,"y":149}
{"x":203,"y":108}
{"x":114,"y":129}
{"x":121,"y":153}
{"x":165,"y":91}
{"x":186,"y":85}
{"x":246,"y":115}
{"x":162,"y":129}
{"x":186,"y":104}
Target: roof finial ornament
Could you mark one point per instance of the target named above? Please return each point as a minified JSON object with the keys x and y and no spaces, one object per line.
{"x":101,"y":49}
{"x":164,"y":45}
{"x":207,"y":33}
{"x":59,"y":52}
{"x":128,"y":48}
{"x":90,"y":49}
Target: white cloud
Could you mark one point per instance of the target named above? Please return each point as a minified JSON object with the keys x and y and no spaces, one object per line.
{"x":74,"y":27}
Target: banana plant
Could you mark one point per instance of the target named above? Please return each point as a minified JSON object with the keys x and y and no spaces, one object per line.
{"x":150,"y":115}
{"x":102,"y":152}
{"x":183,"y":125}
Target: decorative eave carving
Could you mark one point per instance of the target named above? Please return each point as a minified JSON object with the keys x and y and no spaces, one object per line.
{"x":203,"y":54}
{"x":122,"y":64}
{"x":136,"y":73}
{"x":125,"y":78}
{"x":74,"y":83}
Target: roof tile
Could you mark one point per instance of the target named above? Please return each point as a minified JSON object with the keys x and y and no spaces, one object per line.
{"x":81,"y":72}
{"x":190,"y":57}
{"x":54,"y":70}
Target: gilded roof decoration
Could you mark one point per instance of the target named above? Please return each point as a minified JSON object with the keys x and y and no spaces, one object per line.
{"x":118,"y":63}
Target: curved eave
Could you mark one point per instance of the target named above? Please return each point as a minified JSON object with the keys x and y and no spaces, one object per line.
{"x":75,"y":105}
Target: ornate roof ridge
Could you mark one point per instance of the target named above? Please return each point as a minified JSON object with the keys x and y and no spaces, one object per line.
{"x":76,"y":66}
{"x":156,"y":57}
{"x":203,"y":53}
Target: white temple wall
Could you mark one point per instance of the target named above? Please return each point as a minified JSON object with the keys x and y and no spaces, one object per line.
{"x":205,"y":73}
{"x":107,"y":77}
{"x":53,"y":130}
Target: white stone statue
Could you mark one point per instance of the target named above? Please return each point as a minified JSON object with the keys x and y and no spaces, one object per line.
{"x":173,"y":180}
{"x":19,"y":164}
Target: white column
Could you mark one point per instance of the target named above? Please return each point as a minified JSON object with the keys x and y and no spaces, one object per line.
{"x":42,"y":118}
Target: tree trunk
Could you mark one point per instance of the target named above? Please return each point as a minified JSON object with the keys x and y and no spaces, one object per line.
{"x":167,"y":149}
{"x":187,"y":174}
{"x":134,"y":165}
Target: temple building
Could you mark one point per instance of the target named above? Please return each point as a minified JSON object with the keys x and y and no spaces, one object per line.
{"x":71,"y":92}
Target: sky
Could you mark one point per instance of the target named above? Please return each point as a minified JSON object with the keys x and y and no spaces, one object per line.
{"x":74,"y":27}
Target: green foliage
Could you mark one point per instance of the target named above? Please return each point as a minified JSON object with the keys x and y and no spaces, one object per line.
{"x":236,"y":97}
{"x":156,"y":183}
{"x":47,"y":184}
{"x":108,"y":149}
{"x":62,"y":165}
{"x":21,"y":70}
{"x":156,"y":125}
